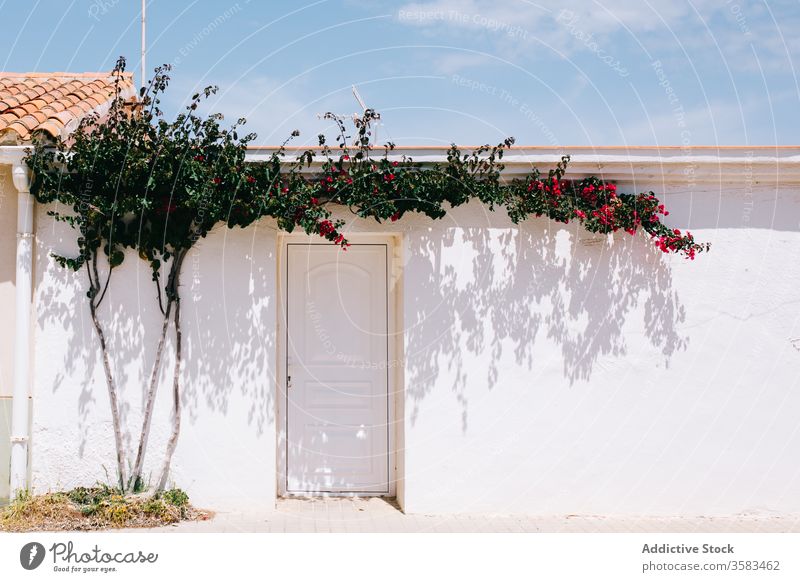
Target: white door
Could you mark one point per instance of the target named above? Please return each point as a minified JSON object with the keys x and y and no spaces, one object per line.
{"x":337,"y":402}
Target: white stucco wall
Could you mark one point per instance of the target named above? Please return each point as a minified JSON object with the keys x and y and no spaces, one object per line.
{"x":549,"y":376}
{"x":546,"y":371}
{"x":226,"y":454}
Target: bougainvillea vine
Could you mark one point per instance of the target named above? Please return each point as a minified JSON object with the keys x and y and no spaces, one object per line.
{"x":133,"y":180}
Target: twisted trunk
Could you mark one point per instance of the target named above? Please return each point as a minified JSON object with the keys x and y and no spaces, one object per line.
{"x":136,"y":476}
{"x":94,"y":289}
{"x":176,"y":402}
{"x":171,"y":287}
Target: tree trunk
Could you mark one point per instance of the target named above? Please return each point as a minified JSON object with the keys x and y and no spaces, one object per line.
{"x":136,"y":476}
{"x":176,"y":397}
{"x":112,"y":397}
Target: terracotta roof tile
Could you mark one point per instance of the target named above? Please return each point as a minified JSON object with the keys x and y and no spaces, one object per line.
{"x":54,"y":107}
{"x":28,"y":107}
{"x":29,"y":121}
{"x":50,"y":128}
{"x":20,"y":130}
{"x":7,"y":118}
{"x":40,"y":116}
{"x":64,"y":116}
{"x":52,"y":103}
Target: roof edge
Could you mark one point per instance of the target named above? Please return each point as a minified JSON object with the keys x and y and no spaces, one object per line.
{"x":651,"y":164}
{"x":97,"y":75}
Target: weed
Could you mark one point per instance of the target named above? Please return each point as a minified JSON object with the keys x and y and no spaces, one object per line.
{"x":176,"y":497}
{"x":95,"y":507}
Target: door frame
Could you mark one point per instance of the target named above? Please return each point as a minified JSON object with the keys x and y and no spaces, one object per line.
{"x":394,"y":358}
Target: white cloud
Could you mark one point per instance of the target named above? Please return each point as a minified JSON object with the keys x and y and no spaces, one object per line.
{"x":450,"y":63}
{"x":701,"y":27}
{"x":602,"y":17}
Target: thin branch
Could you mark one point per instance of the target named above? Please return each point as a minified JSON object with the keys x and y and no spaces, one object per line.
{"x":96,"y":288}
{"x":157,"y":279}
{"x":91,"y":284}
{"x":105,"y":287}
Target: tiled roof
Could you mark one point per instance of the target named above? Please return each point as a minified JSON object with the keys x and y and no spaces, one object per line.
{"x":52,"y":103}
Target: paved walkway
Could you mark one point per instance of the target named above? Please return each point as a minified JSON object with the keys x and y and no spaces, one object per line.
{"x":367,"y":515}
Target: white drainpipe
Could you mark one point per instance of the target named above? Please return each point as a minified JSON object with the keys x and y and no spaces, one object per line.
{"x":20,"y":431}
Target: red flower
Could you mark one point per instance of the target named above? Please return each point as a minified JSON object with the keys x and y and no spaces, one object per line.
{"x":250,"y":179}
{"x":326,"y":227}
{"x":389,"y":177}
{"x":338,"y":240}
{"x":216,"y":180}
{"x":199,"y":157}
{"x":345,"y":158}
{"x":395,"y":216}
{"x":394,"y":164}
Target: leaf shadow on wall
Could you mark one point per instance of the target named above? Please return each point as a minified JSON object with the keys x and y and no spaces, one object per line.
{"x":527,"y":288}
{"x":226,"y":348}
{"x":128,"y":325}
{"x":229,"y":311}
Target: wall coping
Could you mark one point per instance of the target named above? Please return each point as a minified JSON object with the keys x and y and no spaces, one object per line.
{"x":741,"y":165}
{"x":670,"y":164}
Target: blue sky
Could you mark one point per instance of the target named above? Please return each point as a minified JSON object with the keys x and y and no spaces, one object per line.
{"x":606,"y":72}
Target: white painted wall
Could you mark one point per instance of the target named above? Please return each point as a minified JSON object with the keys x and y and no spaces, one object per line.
{"x":226,"y":455}
{"x":547,"y":376}
{"x":543,"y":374}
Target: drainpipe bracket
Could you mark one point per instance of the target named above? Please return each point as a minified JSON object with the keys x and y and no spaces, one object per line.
{"x":25,"y":235}
{"x":19,"y":439}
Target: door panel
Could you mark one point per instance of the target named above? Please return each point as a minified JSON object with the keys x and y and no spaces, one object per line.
{"x":337,"y":383}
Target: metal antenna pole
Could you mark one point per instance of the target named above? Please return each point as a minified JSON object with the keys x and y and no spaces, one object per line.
{"x":144,"y":66}
{"x":364,"y":108}
{"x":356,"y":116}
